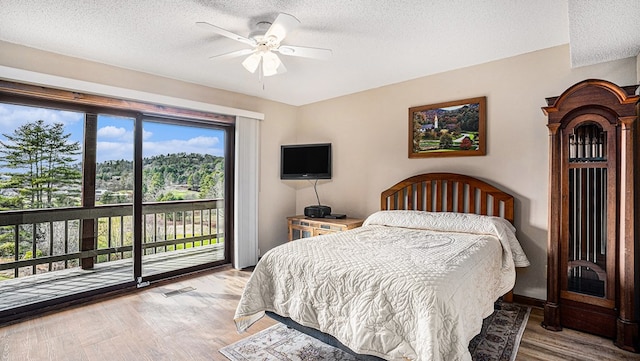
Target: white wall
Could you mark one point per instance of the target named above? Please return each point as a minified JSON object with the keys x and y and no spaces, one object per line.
{"x":369,"y":132}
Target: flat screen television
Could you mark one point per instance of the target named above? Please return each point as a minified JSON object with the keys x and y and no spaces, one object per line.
{"x":305,"y":161}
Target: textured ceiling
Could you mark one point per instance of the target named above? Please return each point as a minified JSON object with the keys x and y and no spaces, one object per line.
{"x":374,"y":43}
{"x":602,"y":31}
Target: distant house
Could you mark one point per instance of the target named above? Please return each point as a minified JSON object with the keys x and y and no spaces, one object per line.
{"x":427,"y":127}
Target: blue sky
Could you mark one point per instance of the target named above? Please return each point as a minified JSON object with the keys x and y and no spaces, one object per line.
{"x":115,"y":134}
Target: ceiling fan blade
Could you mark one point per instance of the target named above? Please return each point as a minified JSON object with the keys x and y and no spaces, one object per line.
{"x":232,"y":54}
{"x":226,"y":33}
{"x":283,"y":25}
{"x":315,"y":53}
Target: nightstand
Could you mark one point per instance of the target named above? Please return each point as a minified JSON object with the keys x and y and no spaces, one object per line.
{"x":303,"y":227}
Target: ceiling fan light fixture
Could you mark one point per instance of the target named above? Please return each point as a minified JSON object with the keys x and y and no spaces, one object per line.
{"x":265,"y":44}
{"x":270,"y":64}
{"x":252,"y":62}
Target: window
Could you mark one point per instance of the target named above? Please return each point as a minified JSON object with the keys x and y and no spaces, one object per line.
{"x":114,"y":160}
{"x":40,"y":163}
{"x":40,"y":167}
{"x":182,"y":164}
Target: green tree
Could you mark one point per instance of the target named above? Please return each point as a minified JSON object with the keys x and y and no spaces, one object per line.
{"x":446,"y":141}
{"x":419,"y":119}
{"x":157,"y":182}
{"x":41,"y":174}
{"x":170,"y":196}
{"x":7,"y":203}
{"x":212,"y":183}
{"x":107,"y":198}
{"x":42,"y":157}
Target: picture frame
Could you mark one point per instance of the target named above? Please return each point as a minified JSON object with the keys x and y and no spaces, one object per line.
{"x":450,"y":129}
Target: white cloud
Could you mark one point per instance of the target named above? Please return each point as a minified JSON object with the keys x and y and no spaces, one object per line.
{"x":13,"y":116}
{"x":114,"y":150}
{"x":203,"y":141}
{"x":120,"y":134}
{"x":111,"y":132}
{"x":114,"y":141}
{"x":202,"y":145}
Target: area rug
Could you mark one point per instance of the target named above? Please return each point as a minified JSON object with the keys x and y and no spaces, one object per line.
{"x":498,"y":341}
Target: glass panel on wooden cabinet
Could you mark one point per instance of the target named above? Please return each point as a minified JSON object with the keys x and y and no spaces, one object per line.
{"x":587,"y":143}
{"x":587,"y":278}
{"x":587,"y":207}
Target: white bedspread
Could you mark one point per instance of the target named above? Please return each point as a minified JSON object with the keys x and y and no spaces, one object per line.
{"x":407,"y":285}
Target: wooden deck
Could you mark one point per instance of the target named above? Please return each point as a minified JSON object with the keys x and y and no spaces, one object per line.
{"x":28,"y":290}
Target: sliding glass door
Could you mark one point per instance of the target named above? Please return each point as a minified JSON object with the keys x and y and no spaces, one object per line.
{"x":96,"y":199}
{"x":183,"y":196}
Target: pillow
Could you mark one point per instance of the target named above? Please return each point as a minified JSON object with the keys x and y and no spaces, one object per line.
{"x":455,"y":222}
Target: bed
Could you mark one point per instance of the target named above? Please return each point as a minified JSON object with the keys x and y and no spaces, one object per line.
{"x":413,"y":283}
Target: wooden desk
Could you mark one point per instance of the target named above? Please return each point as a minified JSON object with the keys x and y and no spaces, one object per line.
{"x":303,"y":227}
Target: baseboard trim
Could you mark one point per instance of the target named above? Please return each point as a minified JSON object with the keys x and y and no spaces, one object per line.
{"x":529,"y":301}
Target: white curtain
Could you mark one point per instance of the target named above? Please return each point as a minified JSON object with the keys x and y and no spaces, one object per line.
{"x":246,"y":192}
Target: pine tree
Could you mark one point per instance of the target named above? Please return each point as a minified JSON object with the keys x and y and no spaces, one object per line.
{"x":42,"y":157}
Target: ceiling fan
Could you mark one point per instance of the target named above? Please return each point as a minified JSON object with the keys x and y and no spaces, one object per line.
{"x":265,"y":41}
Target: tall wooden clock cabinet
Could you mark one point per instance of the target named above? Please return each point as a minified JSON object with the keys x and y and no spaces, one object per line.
{"x":593,"y":250}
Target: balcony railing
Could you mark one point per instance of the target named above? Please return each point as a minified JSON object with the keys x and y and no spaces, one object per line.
{"x":47,"y":240}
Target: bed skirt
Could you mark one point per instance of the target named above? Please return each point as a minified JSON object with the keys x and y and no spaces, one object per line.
{"x":324,"y":337}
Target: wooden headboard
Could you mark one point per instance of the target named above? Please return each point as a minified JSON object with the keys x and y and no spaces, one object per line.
{"x":448,"y":192}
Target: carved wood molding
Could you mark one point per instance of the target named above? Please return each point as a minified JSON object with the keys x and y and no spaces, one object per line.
{"x":620,"y":93}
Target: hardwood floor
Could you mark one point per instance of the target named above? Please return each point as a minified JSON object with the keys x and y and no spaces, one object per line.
{"x":539,"y":344}
{"x":145,"y":325}
{"x":191,"y":319}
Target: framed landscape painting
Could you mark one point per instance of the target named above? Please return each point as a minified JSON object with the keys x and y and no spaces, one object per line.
{"x":451,"y":129}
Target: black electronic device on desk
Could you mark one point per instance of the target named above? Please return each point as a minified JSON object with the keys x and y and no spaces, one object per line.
{"x":318,"y":211}
{"x":336,"y":216}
